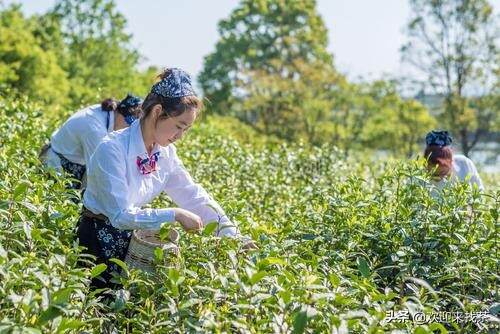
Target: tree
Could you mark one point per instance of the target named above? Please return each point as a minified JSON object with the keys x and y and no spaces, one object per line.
{"x":352,"y":110}
{"x":414,"y":122}
{"x":255,"y":36}
{"x":27,"y":65}
{"x":453,"y":43}
{"x":75,"y":54}
{"x":291,"y":108}
{"x":374,"y":116}
{"x":100,"y":57}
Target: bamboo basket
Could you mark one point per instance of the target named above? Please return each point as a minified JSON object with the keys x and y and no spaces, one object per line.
{"x":140,"y":254}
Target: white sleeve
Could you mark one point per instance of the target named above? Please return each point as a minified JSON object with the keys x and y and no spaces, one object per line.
{"x":474,"y":175}
{"x":107,"y":184}
{"x":192,"y":197}
{"x":52,"y":160}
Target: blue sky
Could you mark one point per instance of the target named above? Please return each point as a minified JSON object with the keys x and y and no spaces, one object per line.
{"x":364,"y":35}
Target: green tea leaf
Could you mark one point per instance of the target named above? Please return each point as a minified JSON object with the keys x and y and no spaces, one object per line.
{"x":189,"y":303}
{"x":61,"y":296}
{"x":363,"y":267}
{"x":258,"y":276}
{"x":299,"y":322}
{"x":20,"y":189}
{"x":210,"y":228}
{"x":120,"y":263}
{"x":49,"y":314}
{"x":158,"y":252}
{"x":69,"y":324}
{"x":98,"y":269}
{"x":273,"y":260}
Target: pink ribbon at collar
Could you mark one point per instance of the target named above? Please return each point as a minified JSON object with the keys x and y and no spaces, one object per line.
{"x":147,"y":165}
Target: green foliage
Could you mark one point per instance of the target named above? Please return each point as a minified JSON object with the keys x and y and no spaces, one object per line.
{"x":75,"y":54}
{"x":41,"y":285}
{"x":393,"y":124}
{"x":267,"y":36}
{"x":94,"y":33}
{"x":342,"y":242}
{"x":26,"y":64}
{"x":245,"y":134}
{"x":292,"y":107}
{"x":374,"y":116}
{"x":271,"y":70}
{"x":454,"y":44}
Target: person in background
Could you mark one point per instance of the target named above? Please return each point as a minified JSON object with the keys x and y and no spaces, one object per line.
{"x":72,"y":145}
{"x":447,"y":166}
{"x":131,"y":167}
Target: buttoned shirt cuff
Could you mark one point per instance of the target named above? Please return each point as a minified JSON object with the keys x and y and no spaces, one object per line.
{"x":166,"y":215}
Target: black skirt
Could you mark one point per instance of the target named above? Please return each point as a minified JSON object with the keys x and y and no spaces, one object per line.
{"x":76,"y":171}
{"x":103,"y":241}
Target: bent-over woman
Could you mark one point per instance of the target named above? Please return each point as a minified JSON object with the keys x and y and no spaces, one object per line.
{"x":75,"y":141}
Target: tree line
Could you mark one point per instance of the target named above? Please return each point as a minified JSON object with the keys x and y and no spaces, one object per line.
{"x":271,"y":69}
{"x":75,"y":53}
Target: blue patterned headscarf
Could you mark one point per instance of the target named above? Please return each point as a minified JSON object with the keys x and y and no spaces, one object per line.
{"x":128,"y":108}
{"x":438,"y":138}
{"x":176,"y":84}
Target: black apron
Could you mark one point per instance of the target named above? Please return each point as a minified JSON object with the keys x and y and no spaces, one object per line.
{"x":104,"y":241}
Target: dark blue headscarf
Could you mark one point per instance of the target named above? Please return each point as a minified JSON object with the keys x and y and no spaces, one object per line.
{"x":438,"y":138}
{"x":128,"y":108}
{"x":176,"y":84}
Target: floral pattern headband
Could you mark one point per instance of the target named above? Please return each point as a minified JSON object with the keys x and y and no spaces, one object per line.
{"x":128,"y":108}
{"x":176,"y":84}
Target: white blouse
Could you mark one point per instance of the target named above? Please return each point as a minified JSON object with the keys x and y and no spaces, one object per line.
{"x":464,"y":170}
{"x":117,"y":189}
{"x":79,"y":136}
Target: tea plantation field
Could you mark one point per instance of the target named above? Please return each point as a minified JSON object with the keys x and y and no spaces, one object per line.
{"x":344,"y":245}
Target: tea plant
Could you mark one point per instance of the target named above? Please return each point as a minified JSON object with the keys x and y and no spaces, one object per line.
{"x":342,"y":243}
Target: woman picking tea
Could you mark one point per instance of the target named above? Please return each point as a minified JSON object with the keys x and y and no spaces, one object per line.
{"x":133,"y":166}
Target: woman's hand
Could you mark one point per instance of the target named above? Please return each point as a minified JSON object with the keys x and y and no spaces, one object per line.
{"x":188,"y":220}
